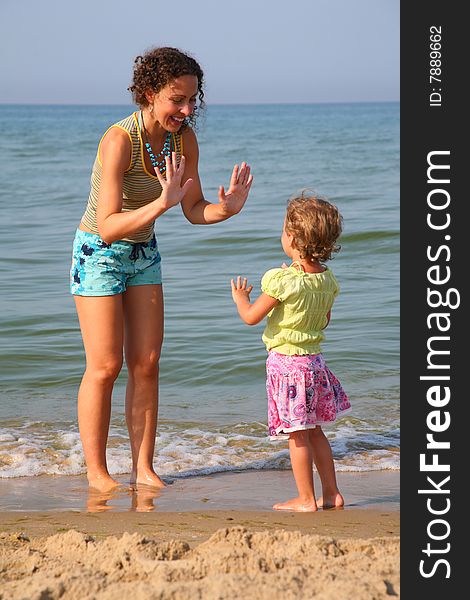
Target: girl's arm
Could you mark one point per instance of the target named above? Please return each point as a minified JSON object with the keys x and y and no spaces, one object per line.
{"x":328,"y":317}
{"x":198,"y":210}
{"x":115,"y":154}
{"x":251,"y":314}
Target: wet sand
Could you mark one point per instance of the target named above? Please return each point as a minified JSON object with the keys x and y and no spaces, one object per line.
{"x":246,"y":490}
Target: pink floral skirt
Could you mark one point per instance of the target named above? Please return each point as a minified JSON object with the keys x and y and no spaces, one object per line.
{"x":302,"y":393}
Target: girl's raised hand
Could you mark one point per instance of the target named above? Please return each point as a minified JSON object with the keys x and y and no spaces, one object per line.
{"x":240,"y":183}
{"x":172,"y":191}
{"x":241,"y":289}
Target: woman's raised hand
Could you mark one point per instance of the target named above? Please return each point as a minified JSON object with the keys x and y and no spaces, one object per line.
{"x":232,"y":202}
{"x":172,"y":191}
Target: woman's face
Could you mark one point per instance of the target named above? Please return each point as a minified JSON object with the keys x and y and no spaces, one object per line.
{"x":173,"y":103}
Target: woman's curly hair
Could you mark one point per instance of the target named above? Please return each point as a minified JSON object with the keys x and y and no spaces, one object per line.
{"x":316,"y":224}
{"x":157,"y":68}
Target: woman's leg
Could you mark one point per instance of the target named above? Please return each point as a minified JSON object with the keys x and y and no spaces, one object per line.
{"x":323,"y":458}
{"x":143,"y":337}
{"x":102,"y":332}
{"x":302,"y":462}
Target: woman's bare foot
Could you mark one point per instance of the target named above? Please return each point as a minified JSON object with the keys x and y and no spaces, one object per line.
{"x":143,"y":498}
{"x":333,"y":501}
{"x":98,"y":501}
{"x":146,"y":477}
{"x":297,"y":505}
{"x":103,"y":483}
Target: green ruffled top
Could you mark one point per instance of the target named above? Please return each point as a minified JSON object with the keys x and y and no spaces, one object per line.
{"x":295,"y":325}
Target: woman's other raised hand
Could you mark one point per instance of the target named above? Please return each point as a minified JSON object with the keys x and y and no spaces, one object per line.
{"x":173,"y":192}
{"x":240,"y":183}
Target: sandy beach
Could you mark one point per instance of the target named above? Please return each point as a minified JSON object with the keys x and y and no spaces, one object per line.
{"x":167,"y":548}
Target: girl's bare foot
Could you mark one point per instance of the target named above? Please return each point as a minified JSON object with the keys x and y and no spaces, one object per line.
{"x":103,"y":483}
{"x":146,"y":477}
{"x":333,"y":501}
{"x":297,"y":505}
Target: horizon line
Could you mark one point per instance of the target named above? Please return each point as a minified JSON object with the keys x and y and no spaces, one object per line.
{"x":2,"y":103}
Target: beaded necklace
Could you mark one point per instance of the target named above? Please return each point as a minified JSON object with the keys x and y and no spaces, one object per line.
{"x":157,"y":160}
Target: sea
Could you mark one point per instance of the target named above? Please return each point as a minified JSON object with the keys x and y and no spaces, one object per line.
{"x":213,"y":407}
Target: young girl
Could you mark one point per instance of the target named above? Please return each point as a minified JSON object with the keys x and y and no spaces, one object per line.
{"x":302,"y":392}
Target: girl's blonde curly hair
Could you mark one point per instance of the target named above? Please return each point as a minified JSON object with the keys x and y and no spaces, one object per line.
{"x":316,"y":224}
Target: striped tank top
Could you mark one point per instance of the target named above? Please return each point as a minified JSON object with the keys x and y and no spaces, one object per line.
{"x":139,"y":186}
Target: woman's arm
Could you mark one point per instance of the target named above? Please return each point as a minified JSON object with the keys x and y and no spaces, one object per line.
{"x":251,"y":314}
{"x":115,"y":152}
{"x":198,"y":210}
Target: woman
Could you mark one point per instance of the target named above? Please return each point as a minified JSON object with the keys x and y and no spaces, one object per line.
{"x":145,"y":165}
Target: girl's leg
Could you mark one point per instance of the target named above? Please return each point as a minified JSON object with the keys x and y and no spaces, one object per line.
{"x":302,"y":462}
{"x":102,"y":332}
{"x":323,"y":458}
{"x":143,"y":337}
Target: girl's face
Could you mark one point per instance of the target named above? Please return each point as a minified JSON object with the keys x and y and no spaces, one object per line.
{"x":286,"y":241}
{"x":173,"y":103}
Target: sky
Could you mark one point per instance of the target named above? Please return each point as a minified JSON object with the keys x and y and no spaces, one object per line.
{"x":251,"y":51}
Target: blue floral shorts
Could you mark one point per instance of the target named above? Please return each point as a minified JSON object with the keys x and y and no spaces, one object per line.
{"x":101,"y":269}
